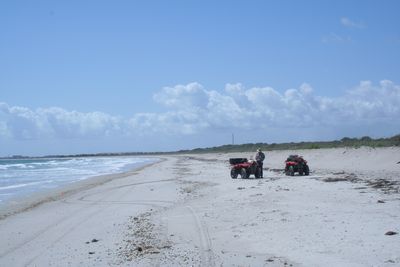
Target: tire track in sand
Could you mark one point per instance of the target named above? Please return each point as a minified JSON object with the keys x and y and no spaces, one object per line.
{"x":101,"y":202}
{"x":67,"y":217}
{"x":207,"y":256}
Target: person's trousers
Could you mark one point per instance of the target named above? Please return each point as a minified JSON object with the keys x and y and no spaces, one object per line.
{"x":260,"y":163}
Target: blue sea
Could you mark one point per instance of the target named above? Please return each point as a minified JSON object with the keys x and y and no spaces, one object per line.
{"x":21,"y":177}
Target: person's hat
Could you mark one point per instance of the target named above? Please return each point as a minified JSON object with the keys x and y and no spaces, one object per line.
{"x":258,"y":149}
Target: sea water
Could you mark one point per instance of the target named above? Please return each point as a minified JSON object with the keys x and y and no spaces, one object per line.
{"x":20,"y":177}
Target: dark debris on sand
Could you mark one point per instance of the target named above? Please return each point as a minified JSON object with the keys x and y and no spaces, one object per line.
{"x":385,"y":185}
{"x":391,"y":233}
{"x":141,"y":239}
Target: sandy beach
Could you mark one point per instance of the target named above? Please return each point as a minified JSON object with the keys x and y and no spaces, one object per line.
{"x":187,"y":211}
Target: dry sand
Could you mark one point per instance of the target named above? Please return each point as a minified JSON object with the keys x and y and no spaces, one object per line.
{"x":187,"y":211}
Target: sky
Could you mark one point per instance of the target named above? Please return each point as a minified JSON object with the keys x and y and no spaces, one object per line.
{"x":120,"y":76}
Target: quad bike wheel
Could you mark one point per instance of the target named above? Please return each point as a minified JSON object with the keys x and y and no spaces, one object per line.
{"x":243,"y":173}
{"x":306,"y":170}
{"x":291,"y":171}
{"x":234,"y":173}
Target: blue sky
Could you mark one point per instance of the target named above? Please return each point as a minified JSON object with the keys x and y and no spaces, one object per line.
{"x":109,"y":76}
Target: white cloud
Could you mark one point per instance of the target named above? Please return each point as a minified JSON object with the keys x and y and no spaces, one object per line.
{"x":77,"y":124}
{"x":182,"y":96}
{"x":264,"y":107}
{"x":306,"y":89}
{"x":23,"y":123}
{"x":193,"y":109}
{"x":172,"y":122}
{"x":351,"y":24}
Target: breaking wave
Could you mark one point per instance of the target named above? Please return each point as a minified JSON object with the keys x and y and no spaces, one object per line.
{"x":20,"y":177}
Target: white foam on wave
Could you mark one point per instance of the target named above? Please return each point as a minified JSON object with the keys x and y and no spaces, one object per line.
{"x":14,"y":166}
{"x":23,"y":177}
{"x":22,"y":185}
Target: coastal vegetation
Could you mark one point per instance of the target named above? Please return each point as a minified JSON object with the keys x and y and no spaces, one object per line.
{"x":344,"y":142}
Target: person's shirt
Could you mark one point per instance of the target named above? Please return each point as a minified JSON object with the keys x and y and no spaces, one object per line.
{"x":260,"y":156}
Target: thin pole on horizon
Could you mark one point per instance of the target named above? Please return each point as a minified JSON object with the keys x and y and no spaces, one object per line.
{"x":233,"y":139}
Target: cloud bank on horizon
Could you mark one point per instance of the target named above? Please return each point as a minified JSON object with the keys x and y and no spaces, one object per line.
{"x":193,"y":109}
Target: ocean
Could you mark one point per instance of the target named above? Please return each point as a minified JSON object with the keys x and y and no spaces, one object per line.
{"x":21,"y":177}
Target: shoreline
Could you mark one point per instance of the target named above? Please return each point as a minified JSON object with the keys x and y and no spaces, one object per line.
{"x":23,"y":203}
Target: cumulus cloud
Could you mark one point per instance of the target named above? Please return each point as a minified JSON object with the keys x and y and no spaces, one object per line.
{"x":194,"y":109}
{"x":262,"y":107}
{"x":182,"y":96}
{"x":23,"y":123}
{"x":172,"y":122}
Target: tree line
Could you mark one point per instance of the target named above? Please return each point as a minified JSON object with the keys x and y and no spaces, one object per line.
{"x":344,"y":142}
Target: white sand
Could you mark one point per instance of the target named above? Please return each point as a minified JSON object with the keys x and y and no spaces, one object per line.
{"x":187,"y":211}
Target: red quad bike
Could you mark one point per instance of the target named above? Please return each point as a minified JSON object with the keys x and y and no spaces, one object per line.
{"x":244,"y":167}
{"x":295,"y":163}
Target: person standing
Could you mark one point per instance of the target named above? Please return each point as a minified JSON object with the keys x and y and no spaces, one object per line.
{"x":260,"y":156}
